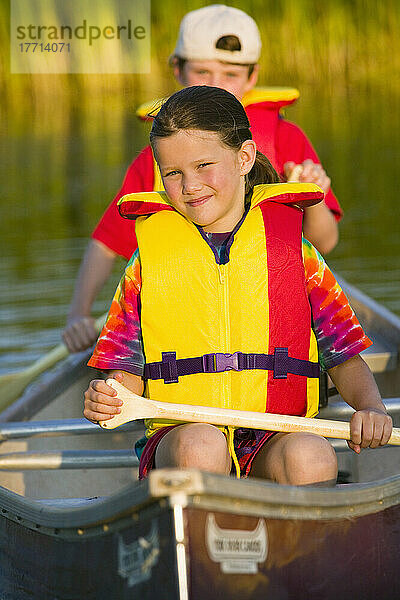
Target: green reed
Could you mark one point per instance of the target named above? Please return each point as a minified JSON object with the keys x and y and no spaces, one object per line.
{"x":326,"y":44}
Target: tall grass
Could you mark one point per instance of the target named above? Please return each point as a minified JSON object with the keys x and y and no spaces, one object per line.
{"x":330,"y":44}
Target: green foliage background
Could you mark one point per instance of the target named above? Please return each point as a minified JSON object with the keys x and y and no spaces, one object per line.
{"x":329,"y":43}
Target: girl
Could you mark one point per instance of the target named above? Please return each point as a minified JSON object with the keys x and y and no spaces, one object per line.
{"x":223,"y":304}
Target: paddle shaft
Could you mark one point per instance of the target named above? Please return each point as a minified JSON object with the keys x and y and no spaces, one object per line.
{"x":137,"y":407}
{"x":57,"y":354}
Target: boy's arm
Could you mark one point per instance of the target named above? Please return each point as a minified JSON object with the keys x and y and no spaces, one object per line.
{"x":95,"y":269}
{"x":320,"y":227}
{"x":370,"y":426}
{"x":100,"y":401}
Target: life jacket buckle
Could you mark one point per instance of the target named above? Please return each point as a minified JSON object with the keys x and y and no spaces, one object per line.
{"x":226,"y":362}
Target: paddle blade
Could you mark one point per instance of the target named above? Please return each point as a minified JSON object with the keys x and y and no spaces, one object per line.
{"x":12,"y":389}
{"x":17,"y":382}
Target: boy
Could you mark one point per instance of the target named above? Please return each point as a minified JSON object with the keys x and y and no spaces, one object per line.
{"x":218,"y":46}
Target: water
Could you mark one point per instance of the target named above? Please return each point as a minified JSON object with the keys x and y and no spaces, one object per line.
{"x":60,"y":168}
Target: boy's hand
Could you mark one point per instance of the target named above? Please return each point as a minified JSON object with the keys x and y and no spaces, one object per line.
{"x":100,"y":401}
{"x":369,"y":428}
{"x":80,"y":333}
{"x":312,"y":173}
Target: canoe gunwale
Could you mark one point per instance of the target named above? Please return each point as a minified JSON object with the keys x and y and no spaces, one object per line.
{"x":201,"y":490}
{"x":340,"y":410}
{"x":343,"y":501}
{"x":52,"y":519}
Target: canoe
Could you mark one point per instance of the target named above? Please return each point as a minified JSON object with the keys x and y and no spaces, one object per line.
{"x":189,"y":535}
{"x":75,"y":522}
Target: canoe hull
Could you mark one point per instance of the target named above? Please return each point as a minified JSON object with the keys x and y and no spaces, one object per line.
{"x":190,"y":536}
{"x":37,"y":566}
{"x":306,"y":560}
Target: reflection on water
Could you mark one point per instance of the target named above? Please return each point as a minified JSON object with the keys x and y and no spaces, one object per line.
{"x":60,"y":171}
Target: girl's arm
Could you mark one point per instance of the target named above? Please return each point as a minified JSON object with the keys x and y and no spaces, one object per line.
{"x":370,"y":426}
{"x":100,"y":401}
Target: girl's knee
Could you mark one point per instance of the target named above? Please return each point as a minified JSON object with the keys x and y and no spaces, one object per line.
{"x":194,"y":445}
{"x":309,"y":458}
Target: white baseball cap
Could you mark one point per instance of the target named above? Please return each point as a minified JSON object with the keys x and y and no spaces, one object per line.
{"x":201,"y":29}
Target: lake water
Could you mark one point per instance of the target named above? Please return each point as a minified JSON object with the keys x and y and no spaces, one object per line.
{"x":60,"y":167}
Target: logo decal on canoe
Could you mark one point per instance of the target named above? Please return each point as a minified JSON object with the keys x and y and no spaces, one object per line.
{"x":136,"y":559}
{"x":236,"y":550}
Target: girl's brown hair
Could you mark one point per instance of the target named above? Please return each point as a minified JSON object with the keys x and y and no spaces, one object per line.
{"x":207,"y":108}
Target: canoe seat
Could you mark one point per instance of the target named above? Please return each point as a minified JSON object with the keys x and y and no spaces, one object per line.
{"x":381,"y":356}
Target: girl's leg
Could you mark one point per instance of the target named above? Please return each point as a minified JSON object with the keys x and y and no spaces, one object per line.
{"x":194,"y":445}
{"x":297,"y":459}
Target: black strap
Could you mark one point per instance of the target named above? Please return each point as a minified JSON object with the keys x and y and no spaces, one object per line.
{"x":171,"y":368}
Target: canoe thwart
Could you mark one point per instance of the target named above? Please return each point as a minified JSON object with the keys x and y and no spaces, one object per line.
{"x":68,"y":459}
{"x":56,"y":427}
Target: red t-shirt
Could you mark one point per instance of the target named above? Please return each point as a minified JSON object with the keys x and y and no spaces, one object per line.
{"x":280,"y":140}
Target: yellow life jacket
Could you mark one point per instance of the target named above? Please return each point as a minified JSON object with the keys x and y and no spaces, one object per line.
{"x":242,"y":330}
{"x":279,"y":95}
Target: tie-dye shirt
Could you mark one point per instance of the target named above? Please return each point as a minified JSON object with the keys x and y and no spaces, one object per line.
{"x":338,"y":332}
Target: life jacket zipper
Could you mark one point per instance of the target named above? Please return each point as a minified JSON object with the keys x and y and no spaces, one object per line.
{"x":225,"y":331}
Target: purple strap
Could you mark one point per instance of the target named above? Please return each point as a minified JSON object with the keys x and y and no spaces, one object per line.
{"x":171,"y":368}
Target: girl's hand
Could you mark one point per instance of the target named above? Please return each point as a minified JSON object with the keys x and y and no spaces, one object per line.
{"x":369,"y":428}
{"x":100,"y":401}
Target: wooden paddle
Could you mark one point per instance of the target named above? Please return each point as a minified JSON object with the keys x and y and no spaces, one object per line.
{"x":13,"y":384}
{"x":137,"y":407}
